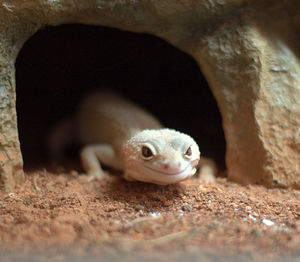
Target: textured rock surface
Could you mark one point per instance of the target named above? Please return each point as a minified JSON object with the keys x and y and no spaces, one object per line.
{"x":246,"y":49}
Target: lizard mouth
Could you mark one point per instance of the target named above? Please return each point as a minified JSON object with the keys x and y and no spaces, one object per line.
{"x":182,"y":171}
{"x":161,"y":177}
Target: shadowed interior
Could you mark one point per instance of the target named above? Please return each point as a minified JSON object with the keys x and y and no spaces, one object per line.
{"x":59,"y":65}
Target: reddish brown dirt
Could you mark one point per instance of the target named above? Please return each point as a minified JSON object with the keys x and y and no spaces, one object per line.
{"x":66,"y":215}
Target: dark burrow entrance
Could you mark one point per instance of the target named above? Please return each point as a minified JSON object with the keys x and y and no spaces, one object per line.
{"x":59,"y":65}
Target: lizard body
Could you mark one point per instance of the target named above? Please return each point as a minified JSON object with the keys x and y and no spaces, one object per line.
{"x":122,"y":135}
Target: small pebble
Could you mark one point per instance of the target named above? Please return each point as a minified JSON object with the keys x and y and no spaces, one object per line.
{"x":187,"y":208}
{"x":139,"y":207}
{"x":155,"y":214}
{"x":267,"y":222}
{"x":252,"y":217}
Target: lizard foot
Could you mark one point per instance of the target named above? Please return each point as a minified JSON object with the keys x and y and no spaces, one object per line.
{"x":207,"y":174}
{"x":96,"y":175}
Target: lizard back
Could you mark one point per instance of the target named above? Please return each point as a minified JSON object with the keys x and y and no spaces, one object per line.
{"x":105,"y":117}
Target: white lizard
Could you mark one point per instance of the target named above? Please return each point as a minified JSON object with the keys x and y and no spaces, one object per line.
{"x":124,"y":136}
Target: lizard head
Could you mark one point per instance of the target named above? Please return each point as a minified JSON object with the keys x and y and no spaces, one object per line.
{"x":162,"y":156}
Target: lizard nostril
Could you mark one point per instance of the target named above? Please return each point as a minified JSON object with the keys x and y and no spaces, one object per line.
{"x":166,"y":166}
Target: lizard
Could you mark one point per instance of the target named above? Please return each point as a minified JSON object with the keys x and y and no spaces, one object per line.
{"x":122,"y":135}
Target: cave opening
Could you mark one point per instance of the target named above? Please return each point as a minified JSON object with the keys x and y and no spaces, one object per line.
{"x":60,"y":65}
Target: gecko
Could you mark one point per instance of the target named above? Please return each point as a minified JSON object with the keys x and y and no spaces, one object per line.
{"x":122,"y":135}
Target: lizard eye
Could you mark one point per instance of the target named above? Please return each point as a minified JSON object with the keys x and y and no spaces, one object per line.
{"x":188,"y":153}
{"x":147,"y":153}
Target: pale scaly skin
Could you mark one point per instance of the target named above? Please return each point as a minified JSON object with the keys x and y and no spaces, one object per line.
{"x":118,"y":133}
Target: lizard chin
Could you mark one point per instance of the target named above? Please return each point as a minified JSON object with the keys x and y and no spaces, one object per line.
{"x":157,"y":176}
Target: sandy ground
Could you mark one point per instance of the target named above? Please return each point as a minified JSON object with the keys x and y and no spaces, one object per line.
{"x":65,"y":217}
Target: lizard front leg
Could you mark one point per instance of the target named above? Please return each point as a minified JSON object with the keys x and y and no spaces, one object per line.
{"x":207,"y":170}
{"x":92,"y":155}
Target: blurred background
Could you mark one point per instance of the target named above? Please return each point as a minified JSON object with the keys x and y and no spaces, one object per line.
{"x":59,"y":65}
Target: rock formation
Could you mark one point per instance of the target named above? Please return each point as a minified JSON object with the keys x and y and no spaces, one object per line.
{"x":247,"y":49}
